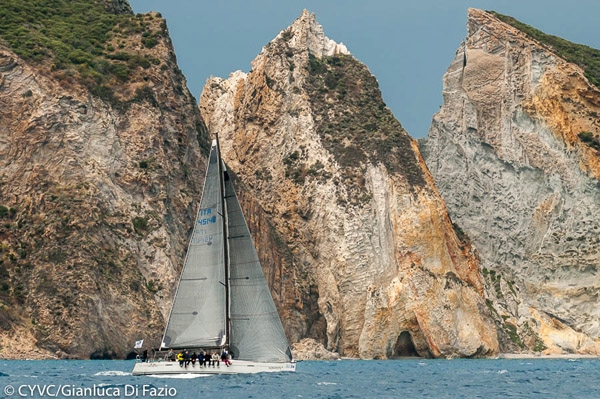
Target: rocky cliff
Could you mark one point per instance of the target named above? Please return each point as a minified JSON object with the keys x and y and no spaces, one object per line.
{"x":100,"y":164}
{"x":369,"y":262}
{"x":514,"y":152}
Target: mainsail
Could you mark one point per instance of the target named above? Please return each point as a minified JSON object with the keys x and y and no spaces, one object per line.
{"x":198,"y":313}
{"x":256,"y":330}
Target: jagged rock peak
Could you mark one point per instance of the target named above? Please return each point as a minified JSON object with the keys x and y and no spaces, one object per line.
{"x":477,"y":19}
{"x":487,"y":33}
{"x":306,"y":33}
{"x":363,"y":258}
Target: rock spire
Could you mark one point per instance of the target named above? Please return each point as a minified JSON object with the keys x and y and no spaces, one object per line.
{"x":366,"y":259}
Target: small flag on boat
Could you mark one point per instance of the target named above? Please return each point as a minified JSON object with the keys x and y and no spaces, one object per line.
{"x":138,"y":344}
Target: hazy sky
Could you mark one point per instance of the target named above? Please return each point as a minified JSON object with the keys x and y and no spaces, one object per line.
{"x":407,"y":45}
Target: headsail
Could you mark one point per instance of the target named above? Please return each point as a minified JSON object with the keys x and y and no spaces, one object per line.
{"x":256,"y":330}
{"x":197,"y":317}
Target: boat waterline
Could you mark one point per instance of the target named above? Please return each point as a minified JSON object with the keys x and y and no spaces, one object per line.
{"x":236,"y":367}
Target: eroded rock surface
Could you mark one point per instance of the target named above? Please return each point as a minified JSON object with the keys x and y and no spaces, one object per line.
{"x":506,"y":155}
{"x":97,"y":198}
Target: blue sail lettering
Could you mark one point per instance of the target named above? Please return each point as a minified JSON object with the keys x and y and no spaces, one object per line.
{"x":205,"y":221}
{"x":205,"y":212}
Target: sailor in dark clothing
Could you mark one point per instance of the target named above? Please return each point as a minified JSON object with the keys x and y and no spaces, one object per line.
{"x":201,"y":357}
{"x":225,"y":358}
{"x":187,"y":358}
{"x":207,"y":361}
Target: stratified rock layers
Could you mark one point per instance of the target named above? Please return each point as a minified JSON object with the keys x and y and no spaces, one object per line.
{"x":369,"y":261}
{"x":97,"y":199}
{"x":506,"y":157}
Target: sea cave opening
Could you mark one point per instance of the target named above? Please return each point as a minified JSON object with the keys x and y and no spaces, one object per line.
{"x":404,"y":346}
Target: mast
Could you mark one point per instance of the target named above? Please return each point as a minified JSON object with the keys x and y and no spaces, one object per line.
{"x":225,"y":241}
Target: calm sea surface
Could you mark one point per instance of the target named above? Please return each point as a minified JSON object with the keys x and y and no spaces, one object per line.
{"x":501,"y":378}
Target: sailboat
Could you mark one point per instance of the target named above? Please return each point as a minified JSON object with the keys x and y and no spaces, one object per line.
{"x":222,"y":300}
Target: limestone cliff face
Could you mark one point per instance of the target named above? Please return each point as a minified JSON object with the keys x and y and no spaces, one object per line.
{"x":506,"y":155}
{"x":369,"y":262}
{"x":96,"y":202}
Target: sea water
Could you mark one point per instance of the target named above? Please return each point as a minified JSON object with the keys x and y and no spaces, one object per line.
{"x":418,"y":378}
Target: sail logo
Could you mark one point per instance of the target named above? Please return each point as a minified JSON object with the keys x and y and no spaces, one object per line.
{"x":209,"y":217}
{"x":202,"y":236}
{"x":208,"y":240}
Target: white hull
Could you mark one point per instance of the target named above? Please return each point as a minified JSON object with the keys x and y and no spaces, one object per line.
{"x":236,"y":367}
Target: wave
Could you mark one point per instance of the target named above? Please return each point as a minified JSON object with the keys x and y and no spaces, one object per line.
{"x":112,"y":373}
{"x":179,"y":376}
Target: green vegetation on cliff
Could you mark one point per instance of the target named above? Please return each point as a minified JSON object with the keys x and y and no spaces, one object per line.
{"x":354,"y":122}
{"x":66,"y":263}
{"x":586,"y":57}
{"x":80,"y":40}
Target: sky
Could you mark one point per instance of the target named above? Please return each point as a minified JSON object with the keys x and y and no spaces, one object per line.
{"x":406,"y":44}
